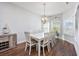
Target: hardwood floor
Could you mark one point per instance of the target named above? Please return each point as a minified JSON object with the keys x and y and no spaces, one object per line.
{"x":61,"y":48}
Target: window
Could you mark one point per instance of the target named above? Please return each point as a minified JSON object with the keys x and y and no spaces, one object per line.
{"x":46,"y":27}
{"x":55,"y":25}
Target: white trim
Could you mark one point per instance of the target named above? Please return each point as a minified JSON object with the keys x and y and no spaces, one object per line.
{"x":22,"y":41}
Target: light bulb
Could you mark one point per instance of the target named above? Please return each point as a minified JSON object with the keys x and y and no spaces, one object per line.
{"x":42,"y":19}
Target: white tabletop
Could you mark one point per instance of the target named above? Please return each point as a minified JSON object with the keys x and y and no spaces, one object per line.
{"x":38,"y":35}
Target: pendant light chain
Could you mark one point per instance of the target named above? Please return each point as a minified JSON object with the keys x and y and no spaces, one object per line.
{"x":44,"y":18}
{"x":44,"y":9}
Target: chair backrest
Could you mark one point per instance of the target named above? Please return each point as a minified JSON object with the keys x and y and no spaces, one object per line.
{"x":46,"y":38}
{"x":52,"y":35}
{"x":27,"y":35}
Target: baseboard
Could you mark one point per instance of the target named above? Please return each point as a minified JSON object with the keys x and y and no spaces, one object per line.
{"x":22,"y":41}
{"x":70,"y":41}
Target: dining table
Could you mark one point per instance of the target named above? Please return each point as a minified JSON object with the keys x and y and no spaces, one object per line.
{"x":38,"y":36}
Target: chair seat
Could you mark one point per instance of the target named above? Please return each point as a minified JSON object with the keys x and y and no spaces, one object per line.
{"x":33,"y":42}
{"x":44,"y":44}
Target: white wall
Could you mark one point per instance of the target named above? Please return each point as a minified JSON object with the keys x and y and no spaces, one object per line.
{"x":77,"y":31}
{"x":70,"y":15}
{"x":18,"y":20}
{"x":77,"y":23}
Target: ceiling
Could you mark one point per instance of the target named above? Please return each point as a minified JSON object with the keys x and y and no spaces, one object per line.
{"x":52,"y":8}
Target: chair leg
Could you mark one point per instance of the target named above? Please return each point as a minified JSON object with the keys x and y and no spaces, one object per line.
{"x":48,"y":47}
{"x":36,"y":47}
{"x":52,"y":44}
{"x":29,"y":50}
{"x":26,"y":47}
{"x":54,"y":41}
{"x":43,"y":51}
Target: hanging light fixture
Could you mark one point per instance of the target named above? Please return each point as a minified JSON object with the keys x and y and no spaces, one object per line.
{"x":44,"y":18}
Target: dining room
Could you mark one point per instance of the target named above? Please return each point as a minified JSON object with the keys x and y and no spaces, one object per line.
{"x":38,"y":29}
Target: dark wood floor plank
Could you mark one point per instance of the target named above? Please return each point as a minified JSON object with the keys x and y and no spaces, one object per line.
{"x":61,"y":48}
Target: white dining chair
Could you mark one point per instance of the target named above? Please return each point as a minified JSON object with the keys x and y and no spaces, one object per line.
{"x":29,"y":42}
{"x":45,"y":42}
{"x":52,"y":38}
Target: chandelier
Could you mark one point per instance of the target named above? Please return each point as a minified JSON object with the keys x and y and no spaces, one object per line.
{"x":44,"y":18}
